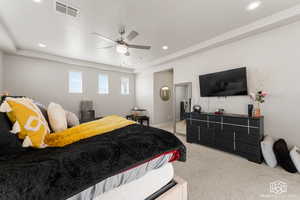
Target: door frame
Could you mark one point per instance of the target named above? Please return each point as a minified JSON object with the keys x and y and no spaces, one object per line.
{"x":189,"y":84}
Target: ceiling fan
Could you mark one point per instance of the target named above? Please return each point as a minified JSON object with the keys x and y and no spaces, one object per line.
{"x":120,"y":44}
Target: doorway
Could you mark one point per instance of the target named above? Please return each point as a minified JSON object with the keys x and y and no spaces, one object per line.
{"x":182,"y":105}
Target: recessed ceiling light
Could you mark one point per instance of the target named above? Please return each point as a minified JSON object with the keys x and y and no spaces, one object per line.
{"x":254,"y":5}
{"x":165,"y":47}
{"x":42,"y":45}
{"x":37,"y":1}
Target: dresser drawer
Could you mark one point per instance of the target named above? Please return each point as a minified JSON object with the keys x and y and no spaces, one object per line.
{"x":207,"y":136}
{"x":198,"y":116}
{"x":248,"y":135}
{"x":236,"y":121}
{"x":244,"y":148}
{"x":225,"y":145}
{"x":227,"y":132}
{"x":192,"y":133}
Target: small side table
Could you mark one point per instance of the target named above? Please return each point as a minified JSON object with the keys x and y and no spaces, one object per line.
{"x":139,"y":119}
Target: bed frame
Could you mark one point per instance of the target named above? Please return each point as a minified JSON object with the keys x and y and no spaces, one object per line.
{"x":177,"y":192}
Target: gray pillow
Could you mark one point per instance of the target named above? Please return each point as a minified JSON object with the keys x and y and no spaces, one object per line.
{"x":268,"y":152}
{"x":72,"y":119}
{"x":295,"y":156}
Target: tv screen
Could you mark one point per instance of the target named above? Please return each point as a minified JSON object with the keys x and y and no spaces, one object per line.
{"x":227,"y":83}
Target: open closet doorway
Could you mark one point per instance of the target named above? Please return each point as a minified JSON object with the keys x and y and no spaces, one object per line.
{"x":182,"y":105}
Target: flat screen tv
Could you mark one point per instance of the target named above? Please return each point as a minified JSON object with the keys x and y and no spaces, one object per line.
{"x":227,"y":83}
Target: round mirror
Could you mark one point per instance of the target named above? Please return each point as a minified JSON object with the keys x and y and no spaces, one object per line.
{"x":165,"y":93}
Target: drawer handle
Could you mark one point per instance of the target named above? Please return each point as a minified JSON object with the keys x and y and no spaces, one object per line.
{"x":248,"y":127}
{"x":234,"y":145}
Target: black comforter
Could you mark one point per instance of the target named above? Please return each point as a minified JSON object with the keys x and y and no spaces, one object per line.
{"x":59,"y":173}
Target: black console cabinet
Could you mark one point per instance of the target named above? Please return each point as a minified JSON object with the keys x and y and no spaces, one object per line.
{"x":238,"y":134}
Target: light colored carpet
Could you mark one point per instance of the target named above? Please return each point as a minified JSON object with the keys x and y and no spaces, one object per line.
{"x":181,"y":127}
{"x":216,"y":175}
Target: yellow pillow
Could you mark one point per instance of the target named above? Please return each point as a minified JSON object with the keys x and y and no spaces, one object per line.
{"x":31,"y":123}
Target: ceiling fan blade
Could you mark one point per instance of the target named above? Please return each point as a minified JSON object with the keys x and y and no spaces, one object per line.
{"x":104,"y":38}
{"x":132,"y":35}
{"x":108,"y":47}
{"x":139,"y":46}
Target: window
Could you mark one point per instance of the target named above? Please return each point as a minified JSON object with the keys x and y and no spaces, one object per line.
{"x":75,"y":82}
{"x":103,"y":87}
{"x":125,"y":86}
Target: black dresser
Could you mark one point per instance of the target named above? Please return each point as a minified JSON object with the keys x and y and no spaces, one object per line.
{"x":238,"y":134}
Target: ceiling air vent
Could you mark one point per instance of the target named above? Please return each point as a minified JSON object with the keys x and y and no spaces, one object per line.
{"x":66,"y":9}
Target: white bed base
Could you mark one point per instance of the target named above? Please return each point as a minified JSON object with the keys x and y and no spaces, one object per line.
{"x":178,"y":192}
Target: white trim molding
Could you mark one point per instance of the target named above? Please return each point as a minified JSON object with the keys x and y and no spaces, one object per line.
{"x":7,"y":43}
{"x":72,"y":61}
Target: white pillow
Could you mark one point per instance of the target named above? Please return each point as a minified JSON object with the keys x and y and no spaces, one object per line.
{"x":295,"y":156}
{"x":57,"y":117}
{"x":268,"y":152}
{"x":72,"y":119}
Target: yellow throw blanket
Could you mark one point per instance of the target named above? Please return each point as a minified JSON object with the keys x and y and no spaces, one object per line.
{"x":86,"y":130}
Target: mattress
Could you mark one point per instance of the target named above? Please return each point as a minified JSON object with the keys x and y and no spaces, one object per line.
{"x":123,"y":178}
{"x":141,"y":188}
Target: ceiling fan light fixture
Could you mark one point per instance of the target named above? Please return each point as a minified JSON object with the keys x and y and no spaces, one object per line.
{"x":122,"y":49}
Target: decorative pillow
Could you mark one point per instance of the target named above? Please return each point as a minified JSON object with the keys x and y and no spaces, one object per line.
{"x":57,"y":117}
{"x":295,"y":156}
{"x":43,"y":110}
{"x":72,"y":119}
{"x":283,"y":156}
{"x":268,"y":152}
{"x":9,"y":143}
{"x":29,"y":122}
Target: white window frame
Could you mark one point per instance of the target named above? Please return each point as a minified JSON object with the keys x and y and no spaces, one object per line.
{"x":99,"y":91}
{"x":121,"y":84}
{"x":81,"y":83}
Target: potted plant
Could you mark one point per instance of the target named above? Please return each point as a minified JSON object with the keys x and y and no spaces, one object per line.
{"x":259,"y":98}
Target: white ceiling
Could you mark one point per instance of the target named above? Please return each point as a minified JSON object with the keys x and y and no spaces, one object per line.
{"x":176,"y":23}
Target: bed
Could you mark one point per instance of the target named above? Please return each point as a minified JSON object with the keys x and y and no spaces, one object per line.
{"x":108,"y":166}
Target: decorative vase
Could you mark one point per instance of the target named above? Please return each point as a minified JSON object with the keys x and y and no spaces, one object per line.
{"x":250,"y":110}
{"x":257,"y":111}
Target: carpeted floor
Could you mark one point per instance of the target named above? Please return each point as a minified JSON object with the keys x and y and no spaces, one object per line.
{"x":216,"y":175}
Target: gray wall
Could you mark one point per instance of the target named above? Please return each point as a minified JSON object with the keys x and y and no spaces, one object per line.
{"x":272,"y":61}
{"x":163,"y":110}
{"x":1,"y":71}
{"x":47,"y":81}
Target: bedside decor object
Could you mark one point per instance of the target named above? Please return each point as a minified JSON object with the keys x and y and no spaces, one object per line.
{"x":139,"y":115}
{"x":220,"y":111}
{"x":197,"y":108}
{"x":259,"y":98}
